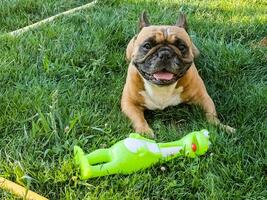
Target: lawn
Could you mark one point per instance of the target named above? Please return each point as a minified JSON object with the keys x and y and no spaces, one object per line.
{"x":60,"y":86}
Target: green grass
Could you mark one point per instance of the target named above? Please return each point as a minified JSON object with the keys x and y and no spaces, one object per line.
{"x":16,"y":14}
{"x":60,"y":86}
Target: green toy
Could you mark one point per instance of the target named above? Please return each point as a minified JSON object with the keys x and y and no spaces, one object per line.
{"x":136,"y":152}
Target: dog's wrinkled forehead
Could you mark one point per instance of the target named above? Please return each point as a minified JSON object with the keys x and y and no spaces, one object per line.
{"x":162,"y":34}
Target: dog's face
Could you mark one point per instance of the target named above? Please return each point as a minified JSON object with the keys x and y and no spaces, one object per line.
{"x":162,"y":54}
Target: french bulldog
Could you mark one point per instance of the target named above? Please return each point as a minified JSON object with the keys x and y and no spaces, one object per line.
{"x":162,"y":73}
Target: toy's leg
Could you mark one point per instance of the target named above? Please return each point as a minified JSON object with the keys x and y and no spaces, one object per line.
{"x":98,"y":156}
{"x":85,"y":162}
{"x":104,"y":169}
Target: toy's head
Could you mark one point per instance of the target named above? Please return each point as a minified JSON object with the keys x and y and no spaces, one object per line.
{"x":197,"y":143}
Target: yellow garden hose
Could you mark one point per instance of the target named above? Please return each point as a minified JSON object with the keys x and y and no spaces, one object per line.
{"x":49,"y":19}
{"x":19,"y":190}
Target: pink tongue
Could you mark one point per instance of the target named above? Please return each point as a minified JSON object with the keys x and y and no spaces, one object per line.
{"x":163,"y":76}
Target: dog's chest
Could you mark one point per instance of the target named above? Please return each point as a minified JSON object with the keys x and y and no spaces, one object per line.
{"x":160,"y":97}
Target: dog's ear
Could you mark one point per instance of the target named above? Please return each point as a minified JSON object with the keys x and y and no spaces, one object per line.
{"x":129,"y":49}
{"x":182,"y":22}
{"x":143,"y":21}
{"x":195,"y":50}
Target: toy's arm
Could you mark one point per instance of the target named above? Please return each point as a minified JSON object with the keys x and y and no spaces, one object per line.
{"x":173,"y":149}
{"x":138,"y":136}
{"x":191,"y":145}
{"x":170,"y":151}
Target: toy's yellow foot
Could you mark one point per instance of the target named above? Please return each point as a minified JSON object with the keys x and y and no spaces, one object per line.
{"x":80,"y":161}
{"x":78,"y":154}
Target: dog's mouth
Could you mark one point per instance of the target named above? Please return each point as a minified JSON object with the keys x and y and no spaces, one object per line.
{"x":162,"y":77}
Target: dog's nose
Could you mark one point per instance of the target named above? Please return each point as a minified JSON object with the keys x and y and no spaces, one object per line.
{"x":165,"y":54}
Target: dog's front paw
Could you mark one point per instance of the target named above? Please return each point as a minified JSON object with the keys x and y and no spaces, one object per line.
{"x":227,"y":128}
{"x":145,"y":130}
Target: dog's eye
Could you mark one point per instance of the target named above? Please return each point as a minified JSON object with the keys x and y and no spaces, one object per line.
{"x":182,"y":48}
{"x":147,"y":46}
